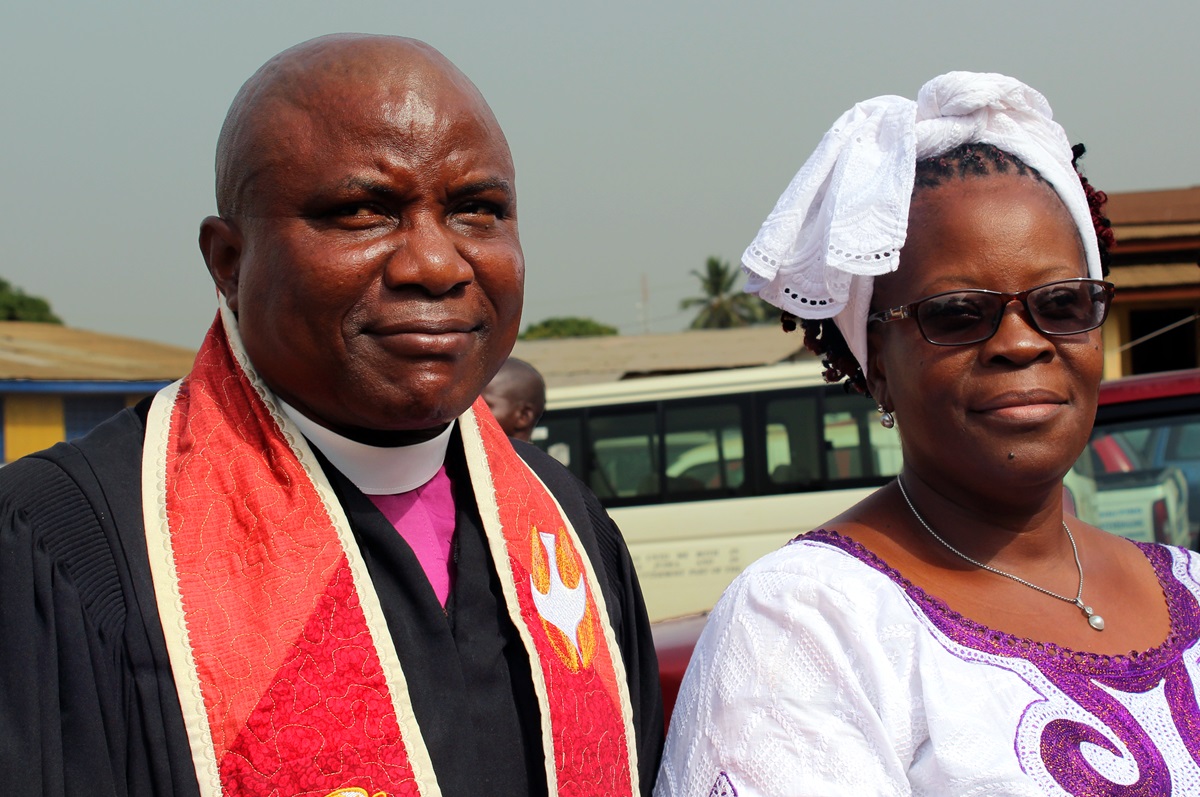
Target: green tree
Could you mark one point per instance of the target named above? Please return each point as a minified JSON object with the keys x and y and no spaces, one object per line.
{"x":724,"y":305}
{"x":566,"y":327}
{"x":16,"y":305}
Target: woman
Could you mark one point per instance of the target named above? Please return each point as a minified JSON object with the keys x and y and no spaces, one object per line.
{"x":954,"y":633}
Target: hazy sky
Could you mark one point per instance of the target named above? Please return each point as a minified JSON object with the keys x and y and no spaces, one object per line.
{"x":647,"y":136}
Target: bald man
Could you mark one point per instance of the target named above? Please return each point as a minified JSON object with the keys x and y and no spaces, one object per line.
{"x":517,"y":397}
{"x":316,"y":565}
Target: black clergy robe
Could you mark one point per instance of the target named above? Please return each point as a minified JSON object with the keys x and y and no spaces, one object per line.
{"x":87,"y":697}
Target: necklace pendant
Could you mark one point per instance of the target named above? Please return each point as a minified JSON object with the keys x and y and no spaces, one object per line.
{"x":1094,"y":620}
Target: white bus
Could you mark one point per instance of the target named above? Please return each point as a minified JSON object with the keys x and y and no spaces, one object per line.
{"x":706,"y":472}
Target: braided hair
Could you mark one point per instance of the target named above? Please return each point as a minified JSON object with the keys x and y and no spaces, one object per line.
{"x":821,"y":335}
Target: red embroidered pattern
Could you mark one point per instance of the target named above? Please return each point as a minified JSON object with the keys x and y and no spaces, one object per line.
{"x":330,"y":691}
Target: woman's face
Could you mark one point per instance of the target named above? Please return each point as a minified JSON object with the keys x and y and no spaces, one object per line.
{"x":1016,"y":409}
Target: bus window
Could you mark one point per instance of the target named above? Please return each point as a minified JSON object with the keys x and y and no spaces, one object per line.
{"x":561,"y":436}
{"x":704,"y":448}
{"x":843,"y":455}
{"x":844,"y":443}
{"x":793,"y":458}
{"x":885,"y":447}
{"x":856,"y":446}
{"x":624,"y":454}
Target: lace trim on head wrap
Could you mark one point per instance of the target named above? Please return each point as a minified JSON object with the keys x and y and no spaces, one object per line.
{"x":844,"y":216}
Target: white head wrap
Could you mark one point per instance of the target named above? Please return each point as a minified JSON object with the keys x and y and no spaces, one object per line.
{"x":844,"y":217}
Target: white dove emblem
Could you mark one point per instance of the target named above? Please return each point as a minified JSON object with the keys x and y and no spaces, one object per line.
{"x":562,"y":606}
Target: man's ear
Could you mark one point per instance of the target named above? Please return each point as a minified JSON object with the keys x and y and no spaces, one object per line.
{"x":525,"y":416}
{"x":221,"y":245}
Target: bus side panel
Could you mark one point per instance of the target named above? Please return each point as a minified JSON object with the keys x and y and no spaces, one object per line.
{"x":687,"y":553}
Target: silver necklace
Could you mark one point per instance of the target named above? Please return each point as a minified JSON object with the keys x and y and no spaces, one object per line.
{"x":1094,"y":620}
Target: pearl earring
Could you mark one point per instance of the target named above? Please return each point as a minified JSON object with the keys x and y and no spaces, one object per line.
{"x":886,"y":419}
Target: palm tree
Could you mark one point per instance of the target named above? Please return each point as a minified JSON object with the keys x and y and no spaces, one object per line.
{"x":722,"y":305}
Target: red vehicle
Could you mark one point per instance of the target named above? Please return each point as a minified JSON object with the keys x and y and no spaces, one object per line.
{"x":1160,"y":415}
{"x":1151,"y":420}
{"x":674,"y":641}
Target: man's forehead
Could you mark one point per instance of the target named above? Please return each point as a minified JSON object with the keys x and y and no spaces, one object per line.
{"x":327,"y":87}
{"x":397,"y":77}
{"x":410,"y":105}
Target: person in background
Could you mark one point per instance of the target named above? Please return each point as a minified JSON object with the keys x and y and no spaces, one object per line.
{"x":955,"y":632}
{"x":316,"y":566}
{"x":517,"y":397}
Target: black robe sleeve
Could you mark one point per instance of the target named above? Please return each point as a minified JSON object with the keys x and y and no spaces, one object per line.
{"x":87,"y":701}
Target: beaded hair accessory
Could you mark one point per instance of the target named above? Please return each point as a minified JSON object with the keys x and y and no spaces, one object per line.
{"x":844,"y":217}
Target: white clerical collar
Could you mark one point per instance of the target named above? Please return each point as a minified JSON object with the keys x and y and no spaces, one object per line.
{"x":376,"y":470}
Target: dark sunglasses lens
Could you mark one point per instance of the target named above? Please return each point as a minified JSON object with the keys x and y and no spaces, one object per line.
{"x":958,"y":318}
{"x":1066,"y":308}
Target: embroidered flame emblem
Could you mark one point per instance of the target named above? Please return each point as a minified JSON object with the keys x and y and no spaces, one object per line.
{"x":562,"y":601}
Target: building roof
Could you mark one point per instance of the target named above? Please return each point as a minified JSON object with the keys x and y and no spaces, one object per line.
{"x":49,"y":352}
{"x":32,"y":352}
{"x":1168,"y":206}
{"x":579,"y":361}
{"x":1156,"y":231}
{"x":1155,"y":275}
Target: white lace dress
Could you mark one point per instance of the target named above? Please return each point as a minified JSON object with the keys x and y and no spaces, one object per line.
{"x":823,"y":672}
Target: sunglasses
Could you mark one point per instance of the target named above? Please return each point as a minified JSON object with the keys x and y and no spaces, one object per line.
{"x":960,"y":318}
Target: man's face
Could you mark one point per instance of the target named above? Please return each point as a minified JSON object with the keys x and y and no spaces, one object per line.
{"x":379,"y":281}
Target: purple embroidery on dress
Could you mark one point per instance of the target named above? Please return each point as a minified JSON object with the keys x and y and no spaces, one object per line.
{"x":723,"y":787}
{"x":1062,"y":749}
{"x":1085,"y":678}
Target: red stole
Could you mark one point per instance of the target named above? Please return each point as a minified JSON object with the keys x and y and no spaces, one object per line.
{"x":286,"y":673}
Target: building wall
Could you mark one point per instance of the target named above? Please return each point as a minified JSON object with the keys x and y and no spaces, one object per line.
{"x":1155,"y":268}
{"x":34,"y":421}
{"x":31,"y":422}
{"x":1114,"y":331}
{"x":1152,"y":331}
